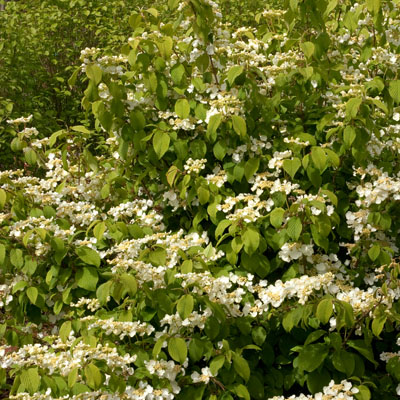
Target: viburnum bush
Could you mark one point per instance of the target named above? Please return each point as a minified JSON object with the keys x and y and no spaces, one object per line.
{"x":235,"y":234}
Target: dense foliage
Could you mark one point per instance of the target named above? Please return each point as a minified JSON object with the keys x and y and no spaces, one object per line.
{"x":41,"y":43}
{"x":235,"y":233}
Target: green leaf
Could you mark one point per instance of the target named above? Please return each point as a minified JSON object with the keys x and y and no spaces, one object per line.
{"x":129,"y":282}
{"x":373,"y":6}
{"x":72,"y":377}
{"x":99,"y":230}
{"x":177,"y":349}
{"x":134,"y":20}
{"x":239,"y":125}
{"x":292,"y":318}
{"x":32,"y":294}
{"x":216,"y":364}
{"x":241,"y":366}
{"x":308,"y":48}
{"x":72,"y":78}
{"x":381,"y":105}
{"x":363,"y":393}
{"x":259,"y":335}
{"x":213,"y":124}
{"x":222,"y":225}
{"x":242,"y":391}
{"x":292,"y":166}
{"x":352,"y":107}
{"x":2,"y":253}
{"x":233,"y":73}
{"x":171,"y":175}
{"x":333,"y":157}
{"x":87,"y":278}
{"x":196,"y":349}
{"x":251,"y":240}
{"x":378,"y":321}
{"x":161,"y":143}
{"x":219,"y":150}
{"x":318,"y":156}
{"x":105,"y":191}
{"x":94,"y":73}
{"x":294,"y":227}
{"x":312,"y":356}
{"x":93,"y":375}
{"x":276,"y":217}
{"x":185,"y":306}
{"x":16,"y":258}
{"x":30,"y":378}
{"x":393,"y":367}
{"x":30,"y":157}
{"x":103,"y":291}
{"x":19,"y":286}
{"x":314,"y":336}
{"x":80,"y":128}
{"x":153,"y":12}
{"x":65,"y":330}
{"x":394,"y":90}
{"x":363,"y":349}
{"x":88,"y":256}
{"x":331,"y":196}
{"x":182,"y":108}
{"x":344,"y":362}
{"x":158,"y":256}
{"x":238,"y":171}
{"x":177,"y":73}
{"x":251,"y":167}
{"x":203,"y":194}
{"x":3,"y":198}
{"x":374,"y":251}
{"x":324,"y":310}
{"x":158,"y":346}
{"x":349,"y":135}
{"x":165,"y":46}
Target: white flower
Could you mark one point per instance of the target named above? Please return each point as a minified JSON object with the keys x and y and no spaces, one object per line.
{"x":204,"y":377}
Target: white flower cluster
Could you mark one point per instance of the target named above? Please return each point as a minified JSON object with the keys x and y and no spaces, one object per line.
{"x":224,"y":103}
{"x":29,"y":132}
{"x":255,"y":147}
{"x":334,"y":391}
{"x":253,"y":209}
{"x":120,"y":328}
{"x":194,"y":320}
{"x":167,"y":370}
{"x":144,"y":391}
{"x":92,"y":304}
{"x":227,"y":291}
{"x":218,"y":177}
{"x":35,"y":228}
{"x":300,"y":288}
{"x":194,"y":166}
{"x":294,"y":251}
{"x":382,"y":188}
{"x":89,"y":52}
{"x":204,"y":377}
{"x":5,"y":295}
{"x":63,"y":358}
{"x":21,"y":120}
{"x":261,"y":183}
{"x":142,"y":211}
{"x":386,"y":356}
{"x":177,"y":123}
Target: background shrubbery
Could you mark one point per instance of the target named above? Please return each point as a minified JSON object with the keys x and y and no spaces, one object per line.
{"x":219,"y":220}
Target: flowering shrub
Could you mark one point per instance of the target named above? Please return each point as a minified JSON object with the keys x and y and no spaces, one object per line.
{"x":237,"y":236}
{"x":40,"y":44}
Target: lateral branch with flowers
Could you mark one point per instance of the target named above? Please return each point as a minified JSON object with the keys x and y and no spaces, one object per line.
{"x":235,"y":235}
